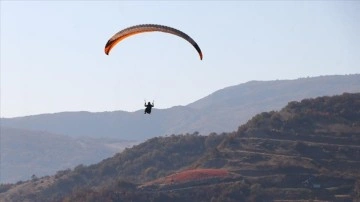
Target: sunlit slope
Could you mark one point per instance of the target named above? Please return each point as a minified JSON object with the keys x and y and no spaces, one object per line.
{"x":305,"y":151}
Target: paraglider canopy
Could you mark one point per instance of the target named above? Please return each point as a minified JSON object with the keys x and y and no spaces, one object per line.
{"x":137,"y":29}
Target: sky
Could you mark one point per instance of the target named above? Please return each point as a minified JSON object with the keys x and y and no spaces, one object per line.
{"x":53,"y":60}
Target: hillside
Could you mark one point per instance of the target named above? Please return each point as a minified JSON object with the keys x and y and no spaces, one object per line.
{"x":307,"y":150}
{"x":25,"y":153}
{"x":152,"y":159}
{"x":235,"y":105}
{"x":223,"y":110}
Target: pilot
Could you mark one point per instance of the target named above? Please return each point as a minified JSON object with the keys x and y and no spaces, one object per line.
{"x":148,"y":107}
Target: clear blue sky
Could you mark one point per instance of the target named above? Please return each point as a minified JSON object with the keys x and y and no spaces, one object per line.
{"x":53,"y":60}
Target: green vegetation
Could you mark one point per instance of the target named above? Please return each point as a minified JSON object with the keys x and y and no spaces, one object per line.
{"x":309,"y":150}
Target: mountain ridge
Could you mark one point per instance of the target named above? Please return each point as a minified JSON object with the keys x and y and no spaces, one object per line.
{"x":220,"y":111}
{"x":308,"y":150}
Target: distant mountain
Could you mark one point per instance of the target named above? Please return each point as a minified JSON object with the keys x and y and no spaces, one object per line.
{"x":223,"y":110}
{"x":306,"y":151}
{"x":227,"y":108}
{"x":25,"y":153}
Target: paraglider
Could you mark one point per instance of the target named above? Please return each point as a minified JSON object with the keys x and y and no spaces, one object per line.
{"x":138,"y":29}
{"x":143,"y":28}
